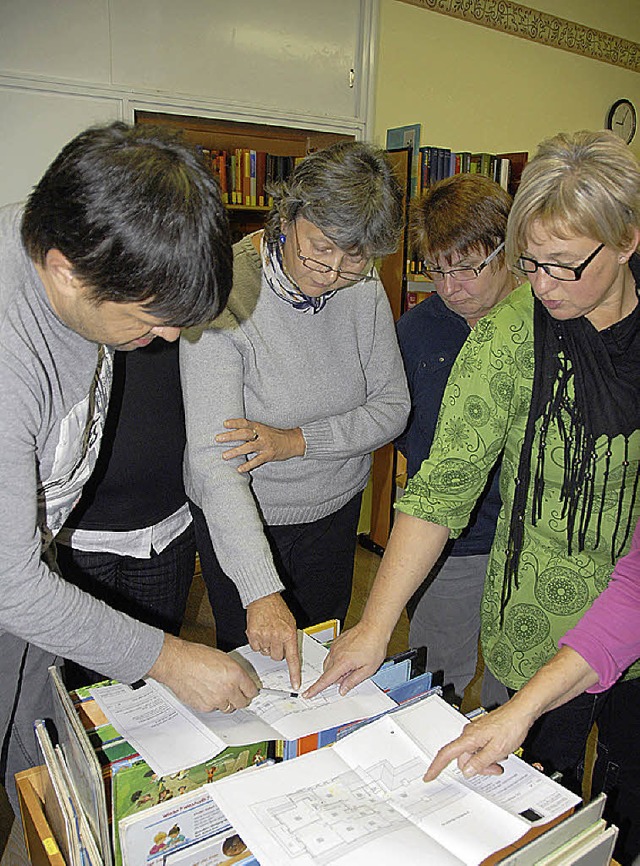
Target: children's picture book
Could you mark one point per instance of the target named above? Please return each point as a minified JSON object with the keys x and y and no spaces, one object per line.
{"x":167,"y":833}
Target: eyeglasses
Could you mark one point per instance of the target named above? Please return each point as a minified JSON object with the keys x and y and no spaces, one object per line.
{"x":463,"y":275}
{"x":559,"y":272}
{"x":324,"y":268}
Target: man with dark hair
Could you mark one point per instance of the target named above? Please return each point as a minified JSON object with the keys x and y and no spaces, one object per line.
{"x":124,"y":239}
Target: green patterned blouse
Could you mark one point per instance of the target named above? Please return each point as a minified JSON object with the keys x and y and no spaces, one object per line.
{"x":484,"y":411}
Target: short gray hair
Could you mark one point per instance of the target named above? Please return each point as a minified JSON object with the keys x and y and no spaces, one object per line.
{"x":585,"y":184}
{"x":347,"y":190}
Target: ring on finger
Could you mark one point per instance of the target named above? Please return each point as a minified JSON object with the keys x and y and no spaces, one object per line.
{"x":255,"y":435}
{"x":228,"y":707}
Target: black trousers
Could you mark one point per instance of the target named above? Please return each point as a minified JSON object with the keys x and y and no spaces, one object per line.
{"x":314,"y":561}
{"x":153,"y":590}
{"x":558,"y":740}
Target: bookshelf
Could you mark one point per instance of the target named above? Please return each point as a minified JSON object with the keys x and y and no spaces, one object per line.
{"x":227,"y":135}
{"x":405,"y":287}
{"x":393,"y":276}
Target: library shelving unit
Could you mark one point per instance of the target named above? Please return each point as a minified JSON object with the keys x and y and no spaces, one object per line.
{"x":384,"y":469}
{"x":228,"y":134}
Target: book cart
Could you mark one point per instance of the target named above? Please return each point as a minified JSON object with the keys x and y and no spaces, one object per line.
{"x":561,"y":841}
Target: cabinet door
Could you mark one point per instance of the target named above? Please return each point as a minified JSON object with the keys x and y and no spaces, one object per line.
{"x":36,"y":124}
{"x":287,"y":55}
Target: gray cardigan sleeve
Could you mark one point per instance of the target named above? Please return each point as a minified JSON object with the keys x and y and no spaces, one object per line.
{"x":212,"y":376}
{"x":37,"y":604}
{"x":383,"y":415}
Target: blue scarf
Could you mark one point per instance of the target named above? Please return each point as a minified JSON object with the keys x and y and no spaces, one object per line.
{"x":282,"y":285}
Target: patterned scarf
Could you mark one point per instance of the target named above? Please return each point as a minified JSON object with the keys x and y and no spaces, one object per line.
{"x":281,"y":283}
{"x":605,"y":368}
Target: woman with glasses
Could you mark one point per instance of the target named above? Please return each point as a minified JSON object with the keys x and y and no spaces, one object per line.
{"x":550,"y":379}
{"x":286,"y":396}
{"x":458,"y":228}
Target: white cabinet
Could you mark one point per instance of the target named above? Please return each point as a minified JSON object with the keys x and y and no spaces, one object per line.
{"x":65,"y":64}
{"x":57,"y":39}
{"x":292,"y":55}
{"x":35,"y":125}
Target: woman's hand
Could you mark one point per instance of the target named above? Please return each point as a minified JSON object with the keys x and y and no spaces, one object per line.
{"x":264,"y":442}
{"x":354,"y":656}
{"x":491,"y":738}
{"x":484,"y":742}
{"x":272,"y":631}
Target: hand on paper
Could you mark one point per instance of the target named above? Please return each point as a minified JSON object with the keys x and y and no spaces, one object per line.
{"x":271,"y":630}
{"x":484,"y":742}
{"x":202,"y":677}
{"x":354,"y":656}
{"x":263,"y":442}
{"x":491,"y":738}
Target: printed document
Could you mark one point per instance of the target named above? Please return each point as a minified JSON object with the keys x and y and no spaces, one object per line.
{"x":362,"y":801}
{"x":172,"y":737}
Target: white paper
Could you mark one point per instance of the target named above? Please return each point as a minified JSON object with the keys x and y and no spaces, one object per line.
{"x":275,"y":717}
{"x":171,"y":737}
{"x":363,"y":800}
{"x":271,"y":717}
{"x":166,"y":733}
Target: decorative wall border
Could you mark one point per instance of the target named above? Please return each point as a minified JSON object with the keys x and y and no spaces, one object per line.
{"x":537,"y":26}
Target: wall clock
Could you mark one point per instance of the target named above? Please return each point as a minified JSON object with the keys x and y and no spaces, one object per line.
{"x":622,"y":119}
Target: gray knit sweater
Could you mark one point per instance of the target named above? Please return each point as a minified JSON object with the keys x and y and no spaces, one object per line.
{"x":54,"y":392}
{"x":337,"y":374}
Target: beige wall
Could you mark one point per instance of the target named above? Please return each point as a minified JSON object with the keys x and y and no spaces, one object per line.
{"x":475,"y":89}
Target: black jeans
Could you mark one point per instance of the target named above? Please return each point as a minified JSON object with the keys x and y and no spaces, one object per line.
{"x":558,"y":740}
{"x":315,"y":564}
{"x":153,"y":590}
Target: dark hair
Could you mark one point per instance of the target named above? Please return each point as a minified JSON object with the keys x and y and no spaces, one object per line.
{"x":140,"y":219}
{"x":349,"y":191}
{"x":460,"y":214}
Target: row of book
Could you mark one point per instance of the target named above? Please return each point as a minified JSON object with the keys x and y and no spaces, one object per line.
{"x":437,"y":163}
{"x":244,"y":175}
{"x":430,"y":164}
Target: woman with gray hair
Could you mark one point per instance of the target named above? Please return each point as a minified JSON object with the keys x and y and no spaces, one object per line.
{"x":550,"y":379}
{"x":287,"y":394}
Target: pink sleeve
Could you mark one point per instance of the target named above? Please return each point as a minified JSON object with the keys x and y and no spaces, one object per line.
{"x":608,"y":634}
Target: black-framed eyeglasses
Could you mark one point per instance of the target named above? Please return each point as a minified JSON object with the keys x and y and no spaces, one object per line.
{"x":324,"y":268}
{"x":463,"y":275}
{"x":527,"y":265}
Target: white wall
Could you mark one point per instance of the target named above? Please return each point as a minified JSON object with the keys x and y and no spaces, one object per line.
{"x":65,"y":64}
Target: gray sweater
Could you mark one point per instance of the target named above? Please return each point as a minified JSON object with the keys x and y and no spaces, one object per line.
{"x":337,"y":374}
{"x":54,"y":391}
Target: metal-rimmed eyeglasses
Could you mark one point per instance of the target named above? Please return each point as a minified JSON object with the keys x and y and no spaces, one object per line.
{"x":463,"y":275}
{"x":567,"y":273}
{"x":323,"y":268}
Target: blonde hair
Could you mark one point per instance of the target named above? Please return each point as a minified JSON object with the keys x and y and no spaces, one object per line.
{"x":585,"y":184}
